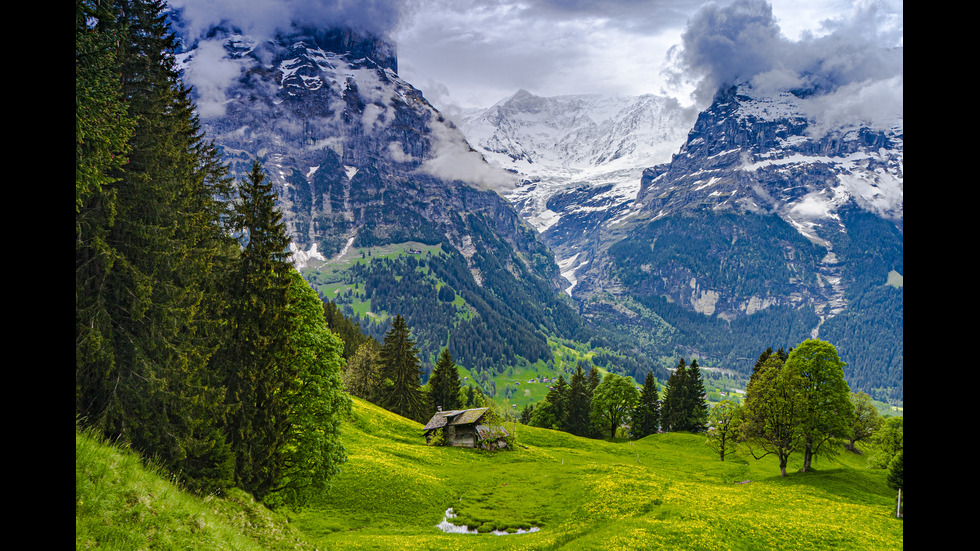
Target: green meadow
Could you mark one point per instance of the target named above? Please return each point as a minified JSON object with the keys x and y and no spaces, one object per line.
{"x":664,"y":490}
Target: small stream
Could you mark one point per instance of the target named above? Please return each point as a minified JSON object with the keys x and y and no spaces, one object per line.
{"x":451,"y":528}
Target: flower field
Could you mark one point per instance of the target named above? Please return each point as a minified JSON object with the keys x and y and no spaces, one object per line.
{"x":667,"y":490}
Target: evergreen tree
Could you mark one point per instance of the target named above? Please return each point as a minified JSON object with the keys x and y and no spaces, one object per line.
{"x":579,"y":404}
{"x":646,"y":415}
{"x":594,"y":379}
{"x":102,"y":124}
{"x":444,"y":384}
{"x":402,"y":372}
{"x":552,"y":413}
{"x":696,"y":415}
{"x":896,"y":478}
{"x":148,"y":229}
{"x":258,"y":364}
{"x":673,"y":413}
{"x":526,"y":414}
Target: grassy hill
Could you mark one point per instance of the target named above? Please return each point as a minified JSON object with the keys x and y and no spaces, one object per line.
{"x":664,"y":490}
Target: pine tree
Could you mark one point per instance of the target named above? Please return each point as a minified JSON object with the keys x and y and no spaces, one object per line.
{"x":444,"y":384}
{"x":696,"y":402}
{"x":673,"y":413}
{"x":402,"y":372}
{"x":646,"y":415}
{"x":257,"y":361}
{"x":579,"y":404}
{"x":147,"y":233}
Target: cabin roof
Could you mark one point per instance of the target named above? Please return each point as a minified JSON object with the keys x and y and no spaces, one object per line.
{"x":455,"y":417}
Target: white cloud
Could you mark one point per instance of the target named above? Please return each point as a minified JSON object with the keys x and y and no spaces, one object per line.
{"x":211,"y":73}
{"x":453,"y":159}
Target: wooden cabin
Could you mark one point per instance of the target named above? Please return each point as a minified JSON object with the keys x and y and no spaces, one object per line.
{"x":465,"y":428}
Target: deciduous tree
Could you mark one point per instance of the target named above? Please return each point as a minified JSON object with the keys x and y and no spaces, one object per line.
{"x":867,"y":420}
{"x":724,"y":427}
{"x":312,"y":451}
{"x":612,"y":402}
{"x":772,"y":412}
{"x":827,"y":411}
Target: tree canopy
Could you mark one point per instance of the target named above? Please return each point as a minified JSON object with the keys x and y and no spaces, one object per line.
{"x":612,"y":402}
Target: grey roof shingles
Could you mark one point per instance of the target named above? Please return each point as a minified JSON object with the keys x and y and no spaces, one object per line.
{"x":454,"y":417}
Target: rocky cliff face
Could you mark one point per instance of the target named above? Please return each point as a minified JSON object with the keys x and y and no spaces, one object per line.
{"x":763,"y":216}
{"x":356,"y":153}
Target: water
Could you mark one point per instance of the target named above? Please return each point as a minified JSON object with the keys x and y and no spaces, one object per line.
{"x":451,"y":528}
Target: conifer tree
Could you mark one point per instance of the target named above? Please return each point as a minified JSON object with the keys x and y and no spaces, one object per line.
{"x":402,"y":372}
{"x":552,"y":413}
{"x":147,"y":232}
{"x":579,"y":404}
{"x":646,"y":415}
{"x":673,"y":412}
{"x":257,"y":361}
{"x":696,"y":417}
{"x":444,"y":384}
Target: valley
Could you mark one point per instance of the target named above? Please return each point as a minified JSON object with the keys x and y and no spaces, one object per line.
{"x":315,"y":311}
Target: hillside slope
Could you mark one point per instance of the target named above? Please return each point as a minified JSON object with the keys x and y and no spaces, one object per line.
{"x":664,"y":490}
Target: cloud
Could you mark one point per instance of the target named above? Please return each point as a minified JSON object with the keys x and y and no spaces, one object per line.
{"x":476,"y":52}
{"x":742,"y":43}
{"x":453,"y":159}
{"x":263,"y":18}
{"x":211,"y":73}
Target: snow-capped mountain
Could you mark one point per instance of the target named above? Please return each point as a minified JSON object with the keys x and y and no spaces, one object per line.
{"x":771,"y":153}
{"x":345,"y":140}
{"x":360,"y":159}
{"x":579,"y":158}
{"x":771,"y":216}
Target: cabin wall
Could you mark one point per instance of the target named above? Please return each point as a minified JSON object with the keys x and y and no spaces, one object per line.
{"x":461,"y":436}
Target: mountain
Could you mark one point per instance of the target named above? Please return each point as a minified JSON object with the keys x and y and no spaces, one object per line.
{"x":767,"y":227}
{"x":361,"y":160}
{"x":763,"y":222}
{"x":579,"y":158}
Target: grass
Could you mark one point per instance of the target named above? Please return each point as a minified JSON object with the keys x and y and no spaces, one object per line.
{"x":121,"y":503}
{"x":666,"y":490}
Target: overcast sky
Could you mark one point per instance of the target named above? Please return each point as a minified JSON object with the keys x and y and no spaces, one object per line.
{"x":473,"y":53}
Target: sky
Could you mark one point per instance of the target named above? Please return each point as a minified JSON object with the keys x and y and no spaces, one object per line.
{"x":474,"y":53}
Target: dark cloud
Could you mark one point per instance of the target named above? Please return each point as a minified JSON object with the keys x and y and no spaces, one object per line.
{"x":742,"y":43}
{"x":262,"y":18}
